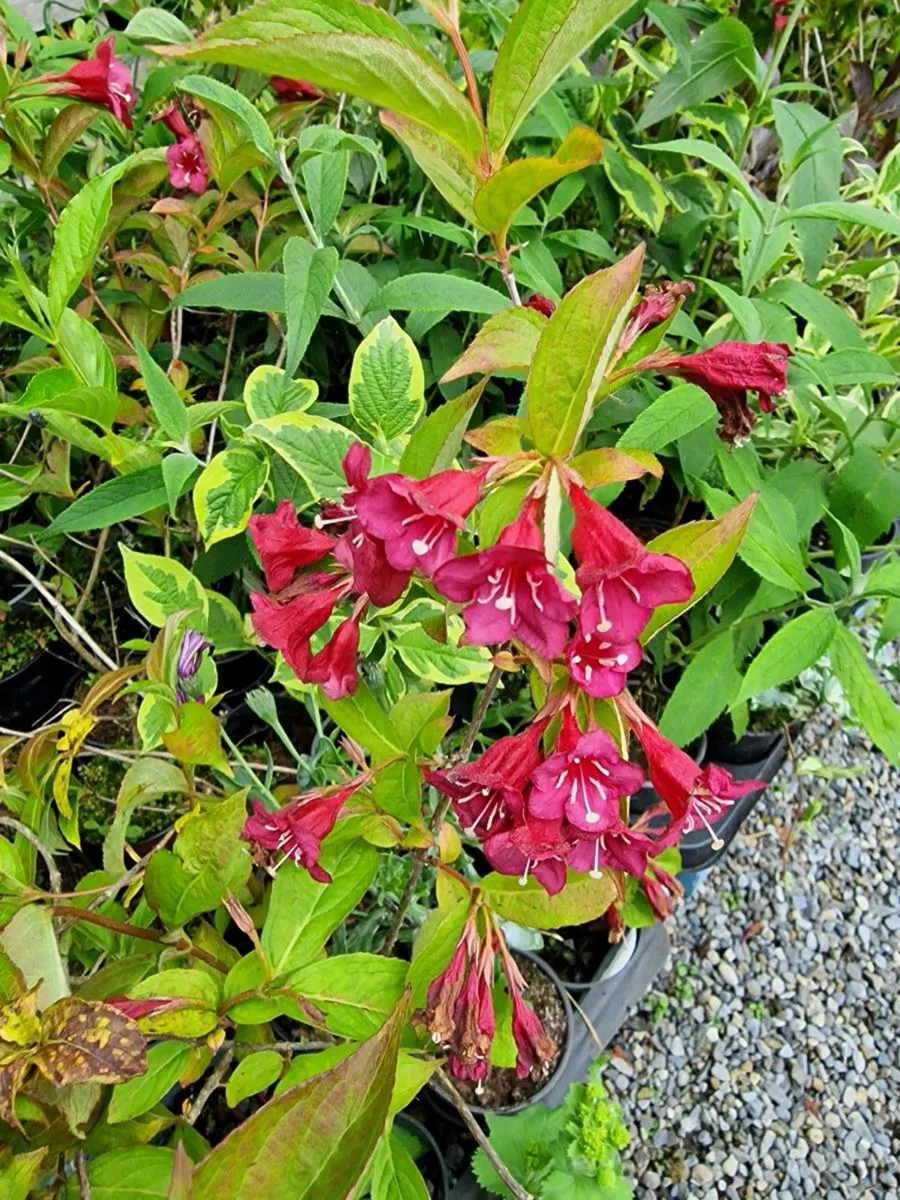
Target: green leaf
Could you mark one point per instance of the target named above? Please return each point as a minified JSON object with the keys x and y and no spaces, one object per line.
{"x":770,"y":544}
{"x":303,"y":913}
{"x":676,"y":412}
{"x":253,"y":1074}
{"x":315,"y":1140}
{"x":30,"y":942}
{"x":710,"y":153}
{"x":226,"y":491}
{"x":12,"y":313}
{"x":167,"y":405}
{"x":870,"y":703}
{"x":363,"y":718}
{"x":433,"y":292}
{"x":849,"y":213}
{"x":816,"y":178}
{"x":436,"y":442}
{"x":220,"y":95}
{"x":154,"y":27}
{"x":705,"y":690}
{"x":145,"y":781}
{"x":166,"y":1062}
{"x":78,"y":236}
{"x":824,"y":315}
{"x":395,"y":1175}
{"x":160,"y":587}
{"x":443,"y":662}
{"x":722,"y":57}
{"x":308,"y":274}
{"x":269,"y":392}
{"x":707,"y":548}
{"x":387,"y":382}
{"x":179,"y":896}
{"x":135,"y":1173}
{"x":637,"y":185}
{"x":118,"y":499}
{"x":385,"y":70}
{"x":325,"y":181}
{"x":253,"y":291}
{"x":582,"y":899}
{"x":797,"y":646}
{"x":313,"y":446}
{"x":865,"y":495}
{"x":543,"y":38}
{"x":506,"y":341}
{"x":177,"y":471}
{"x":333,"y":986}
{"x":435,"y":942}
{"x":20,"y":1174}
{"x":506,"y":191}
{"x":572,"y":355}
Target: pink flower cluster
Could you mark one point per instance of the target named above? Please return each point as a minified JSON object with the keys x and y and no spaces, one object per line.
{"x":541,"y":815}
{"x":103,"y":80}
{"x":459,"y":1013}
{"x":188,"y":169}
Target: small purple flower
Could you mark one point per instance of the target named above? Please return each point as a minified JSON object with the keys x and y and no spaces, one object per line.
{"x":193,"y":645}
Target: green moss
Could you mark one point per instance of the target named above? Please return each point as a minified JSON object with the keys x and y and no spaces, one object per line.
{"x":23,"y":634}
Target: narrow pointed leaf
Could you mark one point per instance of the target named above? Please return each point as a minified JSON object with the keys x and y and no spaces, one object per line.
{"x":507,"y":341}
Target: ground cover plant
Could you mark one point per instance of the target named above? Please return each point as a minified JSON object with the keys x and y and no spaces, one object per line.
{"x":425,"y":427}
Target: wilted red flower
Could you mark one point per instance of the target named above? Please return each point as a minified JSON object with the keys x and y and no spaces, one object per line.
{"x":289,"y":627}
{"x":285,"y":546}
{"x":487,"y":793}
{"x":298,"y":830}
{"x":655,"y":306}
{"x":334,"y":667}
{"x":728,"y":372}
{"x":102,"y":80}
{"x":418,"y":519}
{"x":136,"y":1009}
{"x":693,"y":795}
{"x":583,"y":782}
{"x":541,"y":304}
{"x":533,"y":1045}
{"x":188,"y":169}
{"x":531,"y":847}
{"x":622,"y":582}
{"x":459,"y":1013}
{"x":288,"y":91}
{"x":511,"y":591}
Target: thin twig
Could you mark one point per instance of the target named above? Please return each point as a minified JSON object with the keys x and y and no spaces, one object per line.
{"x":222,"y":386}
{"x":481,"y":1137}
{"x":589,"y":1025}
{"x":420,"y":856}
{"x":135,"y":931}
{"x":58,"y":608}
{"x":94,"y":572}
{"x":215,"y":1080}
{"x":84,"y":1184}
{"x":286,"y":1047}
{"x":52,"y":869}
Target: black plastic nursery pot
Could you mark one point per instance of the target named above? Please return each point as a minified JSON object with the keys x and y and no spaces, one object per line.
{"x":431,"y":1164}
{"x":606,"y":1002}
{"x":37,"y":691}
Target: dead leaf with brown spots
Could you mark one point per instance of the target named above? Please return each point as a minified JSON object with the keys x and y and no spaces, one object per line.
{"x":20,"y":1024}
{"x":11,"y":1076}
{"x":85,"y":1041}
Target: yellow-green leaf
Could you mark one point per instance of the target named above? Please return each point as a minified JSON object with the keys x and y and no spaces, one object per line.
{"x":226,"y":491}
{"x":387,"y":382}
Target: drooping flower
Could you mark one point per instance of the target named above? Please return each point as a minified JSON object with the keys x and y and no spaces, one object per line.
{"x":622,"y":582}
{"x":173,"y":119}
{"x":190,"y":655}
{"x":296,"y":832}
{"x":285,"y":546}
{"x":418,"y":519}
{"x":655,"y":306}
{"x":511,"y":591}
{"x":533,"y":1045}
{"x":188,"y":169}
{"x":288,"y":627}
{"x":694,"y":795}
{"x":289,"y":91}
{"x":103,"y":80}
{"x":487,"y":792}
{"x":334,"y":667}
{"x":620,"y":848}
{"x":541,"y":304}
{"x":583,"y":783}
{"x":531,"y":847}
{"x":728,"y":372}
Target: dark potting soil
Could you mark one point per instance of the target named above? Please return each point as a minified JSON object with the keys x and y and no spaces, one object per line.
{"x":503,"y":1087}
{"x":576,"y":952}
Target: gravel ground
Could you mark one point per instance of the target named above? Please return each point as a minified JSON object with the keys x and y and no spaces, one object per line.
{"x":766,"y":1061}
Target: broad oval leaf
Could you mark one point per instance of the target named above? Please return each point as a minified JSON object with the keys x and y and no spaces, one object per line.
{"x":308,"y":274}
{"x":671,"y":416}
{"x":870,"y":703}
{"x":314,"y":446}
{"x":333,"y":987}
{"x":795,"y":647}
{"x":226,"y":491}
{"x":165,"y":1063}
{"x":506,"y":341}
{"x":572,"y":355}
{"x":387,"y":382}
{"x":253,"y":1074}
{"x":160,"y":587}
{"x":118,"y":499}
{"x":456,"y":175}
{"x":582,"y":899}
{"x":136,"y":1173}
{"x":430,"y":292}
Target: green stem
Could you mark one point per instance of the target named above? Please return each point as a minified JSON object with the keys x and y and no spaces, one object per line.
{"x":270,"y":800}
